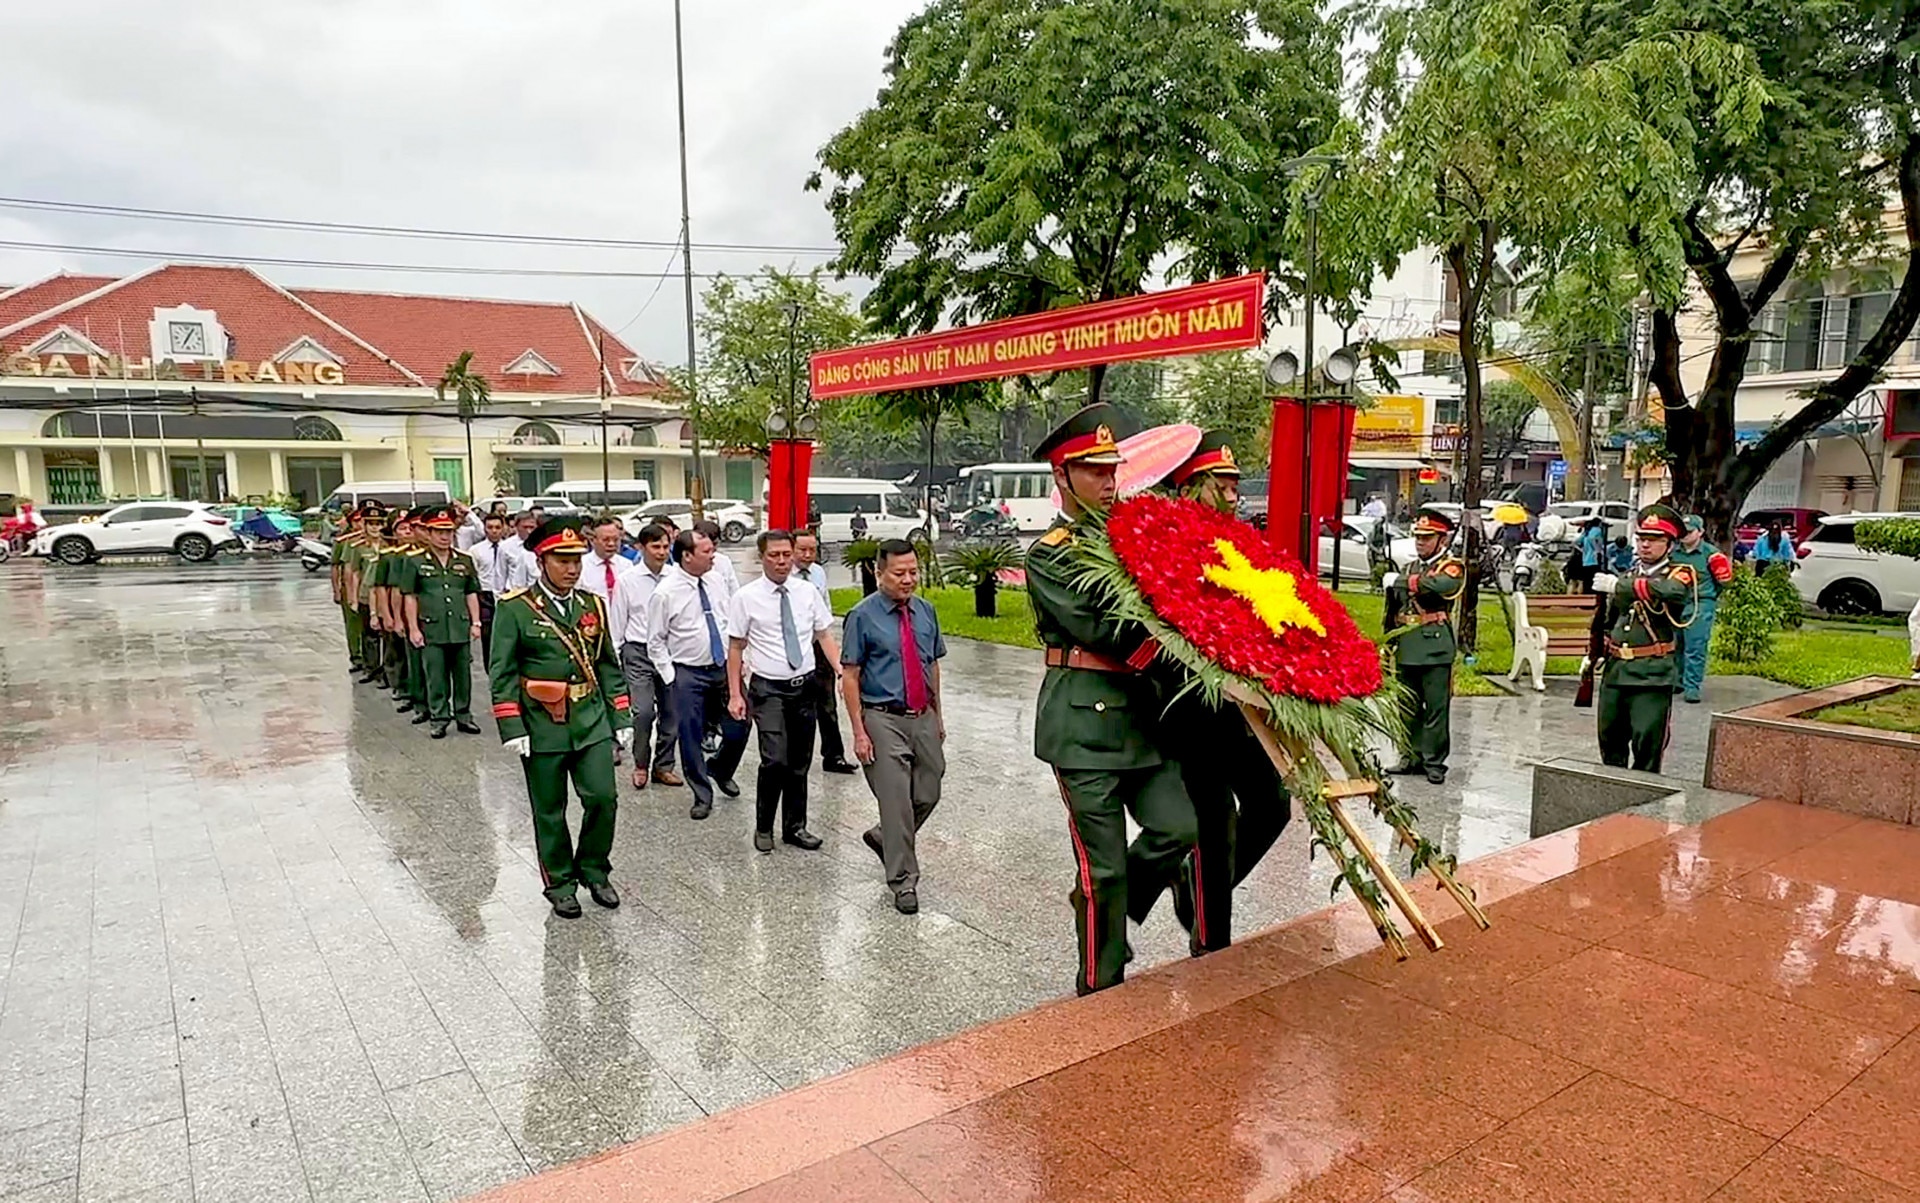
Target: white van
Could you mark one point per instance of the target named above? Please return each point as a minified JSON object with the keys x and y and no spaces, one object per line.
{"x":890,"y":514}
{"x":409,"y":493}
{"x":596,"y":495}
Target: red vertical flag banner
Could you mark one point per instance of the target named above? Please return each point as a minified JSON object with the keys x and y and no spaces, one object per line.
{"x":789,"y":461}
{"x":1329,"y":426}
{"x":1283,"y":481}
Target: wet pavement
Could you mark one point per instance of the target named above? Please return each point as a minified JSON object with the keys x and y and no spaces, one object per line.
{"x":262,"y":939}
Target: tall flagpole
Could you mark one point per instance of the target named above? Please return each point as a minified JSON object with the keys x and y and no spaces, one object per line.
{"x":698,"y":485}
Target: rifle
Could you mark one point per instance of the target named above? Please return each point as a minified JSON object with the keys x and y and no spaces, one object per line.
{"x":1596,"y":652}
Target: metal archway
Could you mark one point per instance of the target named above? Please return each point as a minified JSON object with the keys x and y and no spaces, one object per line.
{"x":1553,"y":398}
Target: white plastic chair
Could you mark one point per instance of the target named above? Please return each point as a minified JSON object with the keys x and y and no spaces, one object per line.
{"x":1529,"y":646}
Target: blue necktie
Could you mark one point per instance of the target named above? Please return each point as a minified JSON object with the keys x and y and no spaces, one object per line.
{"x":714,"y":646}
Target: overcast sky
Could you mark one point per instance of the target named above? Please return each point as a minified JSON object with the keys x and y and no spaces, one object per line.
{"x":528,"y":116}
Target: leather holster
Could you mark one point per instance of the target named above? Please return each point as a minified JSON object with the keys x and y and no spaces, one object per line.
{"x":552,"y":696}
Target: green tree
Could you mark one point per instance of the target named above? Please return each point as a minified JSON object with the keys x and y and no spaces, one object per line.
{"x":753,"y":358}
{"x":1507,"y":408}
{"x":1228,"y":392}
{"x":1839,"y":141}
{"x":1028,"y":154}
{"x":922,"y":409}
{"x":471,"y":395}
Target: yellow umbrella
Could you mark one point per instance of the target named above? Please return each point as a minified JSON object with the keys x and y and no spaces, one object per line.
{"x":1509,"y":514}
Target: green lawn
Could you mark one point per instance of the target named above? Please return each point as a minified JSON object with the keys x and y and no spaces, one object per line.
{"x":1896,"y":711}
{"x":1815,"y":657}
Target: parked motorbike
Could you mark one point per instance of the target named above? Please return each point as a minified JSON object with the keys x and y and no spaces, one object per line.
{"x":986,"y":522}
{"x":314,"y":554}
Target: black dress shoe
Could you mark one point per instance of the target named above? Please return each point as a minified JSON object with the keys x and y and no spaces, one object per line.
{"x":420,"y":716}
{"x":907,"y":902}
{"x":1408,"y":770}
{"x":802,"y":839}
{"x":405,"y":706}
{"x":466,"y":726}
{"x":873,"y":841}
{"x":700,"y":810}
{"x":439,"y":731}
{"x":1183,"y":895}
{"x":1437,"y":773}
{"x":369,"y":678}
{"x":604,"y":894}
{"x":729,"y":787}
{"x":763,"y":841}
{"x":567,"y":908}
{"x":839,"y":766}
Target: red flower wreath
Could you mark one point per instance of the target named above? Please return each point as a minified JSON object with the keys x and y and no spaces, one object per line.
{"x":1168,"y":547}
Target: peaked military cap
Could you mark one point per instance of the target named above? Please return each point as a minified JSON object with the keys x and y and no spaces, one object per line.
{"x":1660,"y":521}
{"x":1432,"y":521}
{"x":435,"y":517}
{"x":370,"y":509}
{"x":1086,"y":437}
{"x":558,"y":537}
{"x":1212,"y":455}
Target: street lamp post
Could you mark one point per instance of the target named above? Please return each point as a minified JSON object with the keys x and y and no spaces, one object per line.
{"x":697,"y":487}
{"x":1315,"y":190}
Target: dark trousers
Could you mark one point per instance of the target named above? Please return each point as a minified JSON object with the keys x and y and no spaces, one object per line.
{"x":373,"y":647}
{"x":448,"y":669}
{"x":1240,"y":808}
{"x":487,"y":603}
{"x":399,"y":654}
{"x":826,"y":707}
{"x":563,"y":864}
{"x":908,"y":766}
{"x":1429,"y":707}
{"x":652,"y":702}
{"x":356,"y":633}
{"x":416,"y":674}
{"x":1113,"y":879}
{"x":699,"y":699}
{"x":1633,"y":725}
{"x":782,"y":713}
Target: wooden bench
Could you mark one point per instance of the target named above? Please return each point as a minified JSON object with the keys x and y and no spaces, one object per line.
{"x":1549,"y":624}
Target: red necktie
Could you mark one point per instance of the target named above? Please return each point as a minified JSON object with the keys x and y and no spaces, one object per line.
{"x":910,"y":668}
{"x":609,"y":564}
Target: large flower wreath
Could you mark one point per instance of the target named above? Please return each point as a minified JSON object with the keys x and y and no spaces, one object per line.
{"x":1243,"y":622}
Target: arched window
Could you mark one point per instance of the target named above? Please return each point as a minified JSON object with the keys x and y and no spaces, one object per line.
{"x":59,"y":426}
{"x":316,"y":429}
{"x":536,"y":434}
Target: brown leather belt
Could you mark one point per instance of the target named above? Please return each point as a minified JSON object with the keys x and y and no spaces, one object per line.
{"x":1080,"y":657}
{"x":1620,"y":651}
{"x":1433,"y":616}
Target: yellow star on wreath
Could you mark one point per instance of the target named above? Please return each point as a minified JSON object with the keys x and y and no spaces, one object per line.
{"x":1271,"y":592}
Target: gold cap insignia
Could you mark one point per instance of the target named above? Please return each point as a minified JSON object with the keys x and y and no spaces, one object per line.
{"x":1226,"y":455}
{"x":1104,"y":433}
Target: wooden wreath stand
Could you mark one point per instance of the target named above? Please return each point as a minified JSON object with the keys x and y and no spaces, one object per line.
{"x":1288,"y":755}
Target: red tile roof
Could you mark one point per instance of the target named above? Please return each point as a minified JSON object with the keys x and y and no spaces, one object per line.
{"x":383,"y":338}
{"x":26,"y":300}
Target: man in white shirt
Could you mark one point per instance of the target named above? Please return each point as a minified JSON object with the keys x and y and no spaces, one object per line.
{"x":652,"y":700}
{"x":722,"y":566}
{"x":686,"y":640}
{"x":602,"y":568}
{"x":493,"y":562}
{"x":826,"y":669}
{"x":1376,"y":508}
{"x":472,"y":526}
{"x":772,"y":625}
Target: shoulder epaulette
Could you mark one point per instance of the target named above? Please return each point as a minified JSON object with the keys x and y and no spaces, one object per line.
{"x":414,"y":551}
{"x":1452,"y":568}
{"x":1682,"y":573}
{"x":511,"y":594}
{"x":1056,"y":537}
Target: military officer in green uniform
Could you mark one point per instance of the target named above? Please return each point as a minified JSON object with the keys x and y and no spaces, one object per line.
{"x":360,"y":565}
{"x":1098,"y":719}
{"x":344,"y":537}
{"x":1422,"y":601}
{"x":387,"y":574}
{"x":399,"y":578}
{"x":560,"y":701}
{"x":1239,"y":803}
{"x":442,"y":597}
{"x":1653,"y":602}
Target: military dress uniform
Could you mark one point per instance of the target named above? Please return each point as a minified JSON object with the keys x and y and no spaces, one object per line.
{"x":1098,"y":725}
{"x":1653,"y":603}
{"x":1240,"y":805}
{"x":439,"y":590}
{"x":388,"y":571}
{"x":1424,"y":654}
{"x":343,"y":544}
{"x":365,"y":558}
{"x":557,"y":686}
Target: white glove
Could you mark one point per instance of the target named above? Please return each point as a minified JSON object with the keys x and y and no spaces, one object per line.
{"x":1389,"y":580}
{"x":523,"y":744}
{"x":624,"y":737}
{"x":1605,"y":582}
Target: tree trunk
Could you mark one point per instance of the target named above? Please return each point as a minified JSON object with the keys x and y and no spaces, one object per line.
{"x":986,"y":598}
{"x":933,"y":527}
{"x":1096,"y":383}
{"x":471,"y":478}
{"x":1472,"y":269}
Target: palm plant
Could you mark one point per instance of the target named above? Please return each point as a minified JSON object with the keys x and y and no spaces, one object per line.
{"x":861,"y":554}
{"x":982,"y":562}
{"x":471,"y":394}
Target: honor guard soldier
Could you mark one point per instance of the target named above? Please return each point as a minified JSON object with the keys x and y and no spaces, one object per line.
{"x":1424,"y":598}
{"x":1098,"y":719}
{"x":1653,"y":602}
{"x":344,"y":538}
{"x":388,"y":574}
{"x":360,"y":565}
{"x":441,"y":591}
{"x":1239,"y":803}
{"x":561,"y":703}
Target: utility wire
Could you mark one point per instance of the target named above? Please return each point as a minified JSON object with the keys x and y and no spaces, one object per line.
{"x":341,"y":264}
{"x":379,"y":231}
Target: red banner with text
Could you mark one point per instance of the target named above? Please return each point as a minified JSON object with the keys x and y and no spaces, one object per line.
{"x":1217,"y":316}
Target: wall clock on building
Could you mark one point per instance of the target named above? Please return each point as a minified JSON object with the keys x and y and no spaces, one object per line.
{"x":186,"y":338}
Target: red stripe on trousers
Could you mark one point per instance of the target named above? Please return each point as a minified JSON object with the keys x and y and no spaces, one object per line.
{"x":1086,"y":888}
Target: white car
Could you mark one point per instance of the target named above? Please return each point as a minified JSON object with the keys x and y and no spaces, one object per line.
{"x":736,"y":518}
{"x":1353,"y":549}
{"x":1839,"y":578}
{"x":553,"y":506}
{"x":1618,"y":516}
{"x":188,"y":529}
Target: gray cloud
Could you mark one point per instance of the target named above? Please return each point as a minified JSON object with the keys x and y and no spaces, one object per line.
{"x":555,"y":117}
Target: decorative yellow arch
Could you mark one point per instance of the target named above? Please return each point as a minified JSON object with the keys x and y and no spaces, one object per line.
{"x":1554,"y":399}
